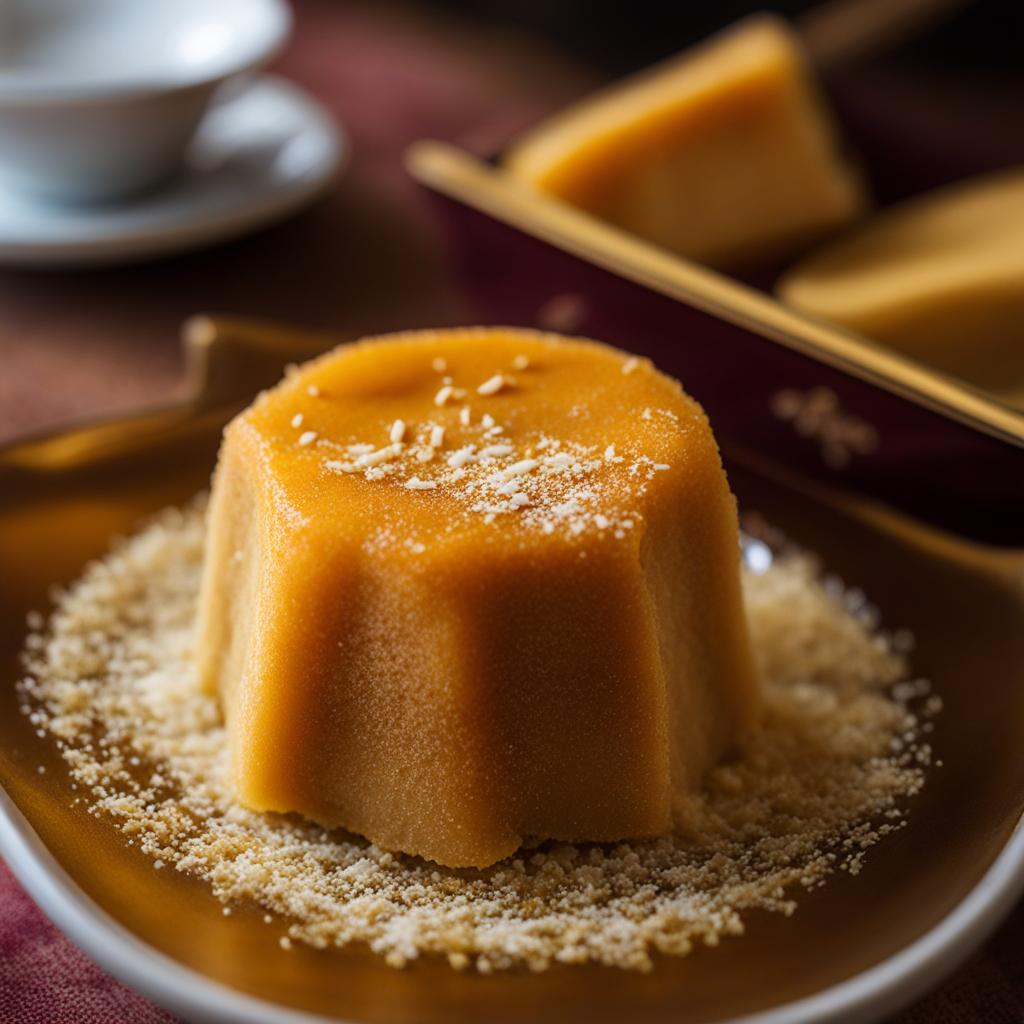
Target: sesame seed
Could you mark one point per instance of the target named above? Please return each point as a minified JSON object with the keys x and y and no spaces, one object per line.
{"x":307,"y":438}
{"x":601,"y":522}
{"x":464,"y":415}
{"x":337,"y":466}
{"x":461,"y":457}
{"x":494,"y":451}
{"x":414,"y":483}
{"x":443,"y":395}
{"x":492,"y":385}
{"x":487,"y":421}
{"x":377,"y":457}
{"x":660,"y":466}
{"x":313,"y":390}
{"x":440,"y":364}
{"x":519,"y":499}
{"x":630,"y":365}
{"x":521,"y":467}
{"x":397,"y":431}
{"x":520,"y":362}
{"x":436,"y":436}
{"x":297,"y":420}
{"x":360,"y":449}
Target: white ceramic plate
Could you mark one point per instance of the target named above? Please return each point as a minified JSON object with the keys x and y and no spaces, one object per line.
{"x":259,"y":155}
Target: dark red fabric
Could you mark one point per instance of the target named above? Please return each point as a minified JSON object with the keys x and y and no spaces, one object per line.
{"x":365,"y":258}
{"x":46,"y":980}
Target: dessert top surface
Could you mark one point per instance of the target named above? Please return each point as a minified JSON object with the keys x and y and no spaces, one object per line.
{"x":477,"y":432}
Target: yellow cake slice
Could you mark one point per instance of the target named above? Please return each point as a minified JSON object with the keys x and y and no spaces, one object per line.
{"x":466,"y":587}
{"x":725,"y":154}
{"x":940,"y":277}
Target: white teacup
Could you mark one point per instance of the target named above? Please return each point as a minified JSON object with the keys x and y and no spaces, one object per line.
{"x":99,"y":98}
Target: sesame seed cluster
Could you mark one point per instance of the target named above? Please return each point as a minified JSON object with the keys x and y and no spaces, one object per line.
{"x":491,"y":470}
{"x":842,"y":747}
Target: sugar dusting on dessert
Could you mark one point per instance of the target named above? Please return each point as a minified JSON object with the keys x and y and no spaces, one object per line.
{"x":841,"y":750}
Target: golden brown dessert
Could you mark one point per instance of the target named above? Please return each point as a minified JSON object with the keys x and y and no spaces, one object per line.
{"x":464,"y":587}
{"x":725,"y":154}
{"x":940,"y":278}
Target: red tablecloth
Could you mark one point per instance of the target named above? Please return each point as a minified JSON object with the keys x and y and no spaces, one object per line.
{"x":78,"y":344}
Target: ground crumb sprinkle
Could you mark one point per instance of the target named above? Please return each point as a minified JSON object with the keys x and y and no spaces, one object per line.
{"x":110,"y":679}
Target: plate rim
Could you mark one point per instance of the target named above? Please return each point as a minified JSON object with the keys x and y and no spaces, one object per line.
{"x":867,"y":996}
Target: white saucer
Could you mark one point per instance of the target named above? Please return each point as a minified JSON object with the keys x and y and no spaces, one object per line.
{"x":258,"y":156}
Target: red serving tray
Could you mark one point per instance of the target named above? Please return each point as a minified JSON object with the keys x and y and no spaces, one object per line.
{"x":826,"y":403}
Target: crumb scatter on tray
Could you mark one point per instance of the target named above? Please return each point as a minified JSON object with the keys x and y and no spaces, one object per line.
{"x":110,"y":678}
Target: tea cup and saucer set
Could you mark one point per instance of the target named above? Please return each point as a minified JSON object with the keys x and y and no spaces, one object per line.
{"x":131,"y":130}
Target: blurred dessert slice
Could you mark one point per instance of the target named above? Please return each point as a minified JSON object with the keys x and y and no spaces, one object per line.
{"x":726,"y":154}
{"x":449,"y":604}
{"x":941,"y":278}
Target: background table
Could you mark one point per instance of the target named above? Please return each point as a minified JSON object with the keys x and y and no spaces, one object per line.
{"x":365,"y":258}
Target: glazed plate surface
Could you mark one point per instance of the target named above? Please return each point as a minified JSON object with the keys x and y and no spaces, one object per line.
{"x":854,"y":950}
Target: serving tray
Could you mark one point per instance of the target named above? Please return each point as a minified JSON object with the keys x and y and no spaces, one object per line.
{"x":855,"y":949}
{"x":831,"y":404}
